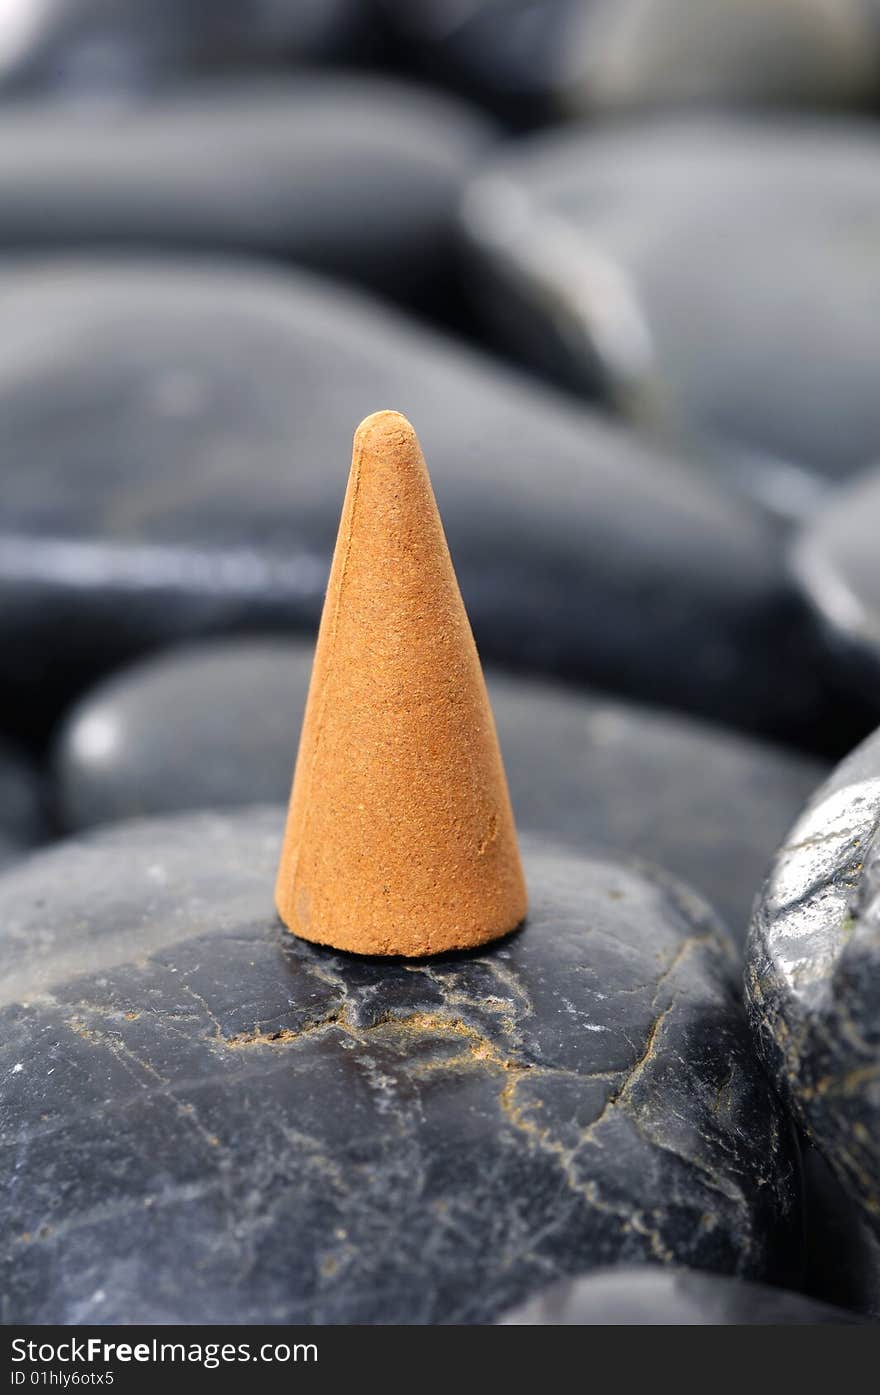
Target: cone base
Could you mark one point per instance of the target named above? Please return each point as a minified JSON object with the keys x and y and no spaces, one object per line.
{"x":400,"y":943}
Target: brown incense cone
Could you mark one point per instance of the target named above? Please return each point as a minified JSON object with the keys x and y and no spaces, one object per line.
{"x":400,"y":836}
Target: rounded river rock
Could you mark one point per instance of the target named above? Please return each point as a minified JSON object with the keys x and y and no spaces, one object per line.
{"x":354,"y":175}
{"x":85,"y":48}
{"x":717,"y":280}
{"x":208,"y":1120}
{"x":551,"y":58}
{"x":813,"y":973}
{"x":176,"y":442}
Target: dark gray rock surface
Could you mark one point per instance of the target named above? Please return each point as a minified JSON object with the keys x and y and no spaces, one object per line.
{"x":209,"y":1120}
{"x":718,"y":280}
{"x":813,"y":973}
{"x":217,"y":724}
{"x":176,"y":443}
{"x":555,"y":57}
{"x":354,"y":175}
{"x":670,"y":1297}
{"x":836,"y":561}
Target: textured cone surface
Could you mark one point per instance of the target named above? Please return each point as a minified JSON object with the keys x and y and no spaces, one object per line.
{"x":400,"y":836}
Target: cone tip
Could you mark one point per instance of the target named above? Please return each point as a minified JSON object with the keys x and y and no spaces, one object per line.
{"x":385,"y":428}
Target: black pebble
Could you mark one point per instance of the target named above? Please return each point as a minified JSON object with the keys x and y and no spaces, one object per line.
{"x":220,"y":1123}
{"x":176,"y":443}
{"x":355,"y":175}
{"x":813,"y":973}
{"x":549,"y":59}
{"x":718,"y":281}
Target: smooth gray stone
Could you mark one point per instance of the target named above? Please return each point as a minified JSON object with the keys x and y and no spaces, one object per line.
{"x":176,"y":444}
{"x":209,"y":1120}
{"x":718,"y":281}
{"x":813,"y":973}
{"x":559,"y":57}
{"x":359,"y":176}
{"x":654,"y":1297}
{"x":22,"y":815}
{"x":217,"y":725}
{"x":94,"y":47}
{"x":836,"y":562}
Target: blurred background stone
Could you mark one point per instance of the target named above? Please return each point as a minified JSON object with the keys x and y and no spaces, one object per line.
{"x":175,"y":448}
{"x":717,"y":281}
{"x":356,"y":175}
{"x":217,"y":725}
{"x":538,"y":59}
{"x":813,"y":973}
{"x":837,"y":562}
{"x":581,"y":1093}
{"x":84,"y":48}
{"x":22,"y":812}
{"x":669,"y":1297}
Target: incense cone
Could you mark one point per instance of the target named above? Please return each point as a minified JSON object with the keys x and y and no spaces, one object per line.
{"x":400,"y":836}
